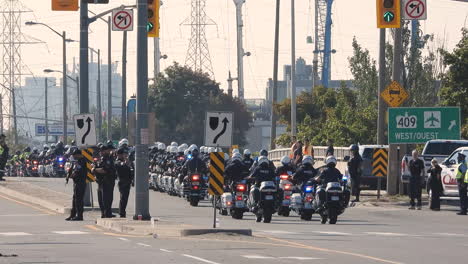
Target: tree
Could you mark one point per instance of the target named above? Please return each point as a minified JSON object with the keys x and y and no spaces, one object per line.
{"x":180,"y":98}
{"x":454,"y":91}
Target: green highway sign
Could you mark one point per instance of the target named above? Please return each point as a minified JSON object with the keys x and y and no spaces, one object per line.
{"x":388,"y":16}
{"x":420,"y":124}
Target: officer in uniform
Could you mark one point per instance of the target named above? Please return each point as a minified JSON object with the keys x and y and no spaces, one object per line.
{"x":78,"y":173}
{"x":3,"y":156}
{"x":462,"y":182}
{"x":125,"y":174}
{"x":355,"y":171}
{"x":105,"y":176}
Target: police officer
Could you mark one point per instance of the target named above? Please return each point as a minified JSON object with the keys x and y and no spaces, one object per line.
{"x":355,"y":171}
{"x":78,"y":173}
{"x":105,"y":177}
{"x":329,"y":174}
{"x":262,"y":172}
{"x":462,"y":182}
{"x":248,"y":161}
{"x":416,"y":167}
{"x":3,"y":156}
{"x":306,"y":171}
{"x":125,"y":174}
{"x":235,"y":171}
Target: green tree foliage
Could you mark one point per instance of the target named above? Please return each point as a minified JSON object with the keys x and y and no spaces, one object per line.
{"x":454,"y":91}
{"x":180,"y":98}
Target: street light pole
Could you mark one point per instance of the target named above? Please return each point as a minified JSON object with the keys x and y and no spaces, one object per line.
{"x":293,"y":70}
{"x":64,"y":82}
{"x":109,"y":79}
{"x":46,"y":114}
{"x":123,"y":120}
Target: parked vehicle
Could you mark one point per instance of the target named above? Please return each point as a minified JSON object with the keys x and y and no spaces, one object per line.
{"x":369,"y":181}
{"x":449,"y":166}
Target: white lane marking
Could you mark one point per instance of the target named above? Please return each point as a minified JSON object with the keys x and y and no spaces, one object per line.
{"x":15,"y":234}
{"x":257,"y":257}
{"x":23,"y":215}
{"x":70,"y":232}
{"x":333,"y":233}
{"x":123,"y":239}
{"x":450,"y":234}
{"x":165,"y":250}
{"x":278,"y":232}
{"x":386,"y":234}
{"x":199,"y":259}
{"x":144,"y":245}
{"x":300,"y":258}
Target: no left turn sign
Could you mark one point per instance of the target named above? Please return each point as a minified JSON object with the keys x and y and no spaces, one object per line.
{"x":122,"y":20}
{"x":414,"y":10}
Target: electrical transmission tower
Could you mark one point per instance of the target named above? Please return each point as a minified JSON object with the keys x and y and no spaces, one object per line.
{"x":11,"y":40}
{"x":323,"y":51}
{"x":198,"y":54}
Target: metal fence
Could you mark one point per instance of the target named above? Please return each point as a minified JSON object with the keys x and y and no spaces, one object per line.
{"x":319,"y":153}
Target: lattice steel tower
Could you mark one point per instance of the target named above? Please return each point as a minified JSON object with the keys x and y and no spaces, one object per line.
{"x":198,"y":54}
{"x":323,"y":50}
{"x":11,"y":39}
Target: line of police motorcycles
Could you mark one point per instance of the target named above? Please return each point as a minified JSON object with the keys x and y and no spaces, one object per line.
{"x":281,"y":196}
{"x":44,"y":164}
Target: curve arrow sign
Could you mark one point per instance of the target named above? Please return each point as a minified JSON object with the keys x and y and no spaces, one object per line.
{"x":225,"y":122}
{"x":83,"y":139}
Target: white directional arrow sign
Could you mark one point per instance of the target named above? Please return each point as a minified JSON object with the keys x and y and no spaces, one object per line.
{"x":122,"y":20}
{"x":85,"y":130}
{"x":414,"y":9}
{"x":452,"y":124}
{"x":218,"y":129}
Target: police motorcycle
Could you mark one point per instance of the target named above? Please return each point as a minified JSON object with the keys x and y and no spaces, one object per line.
{"x":153,"y":163}
{"x":302,"y":203}
{"x":59,"y":166}
{"x":235,"y":196}
{"x":262,"y":198}
{"x":160,"y":167}
{"x":180,"y":161}
{"x":285,"y":188}
{"x":335,"y":196}
{"x":170,"y":174}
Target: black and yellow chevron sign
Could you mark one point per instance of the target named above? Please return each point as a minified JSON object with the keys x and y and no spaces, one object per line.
{"x":88,"y":154}
{"x":216,"y":173}
{"x":380,"y":162}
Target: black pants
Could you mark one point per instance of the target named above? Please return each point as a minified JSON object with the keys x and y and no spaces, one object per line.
{"x":79,"y":189}
{"x":124,"y":189}
{"x":101,"y":198}
{"x":435,"y":200}
{"x":108,"y":196}
{"x":415,"y":190}
{"x":462,"y":190}
{"x":356,"y":186}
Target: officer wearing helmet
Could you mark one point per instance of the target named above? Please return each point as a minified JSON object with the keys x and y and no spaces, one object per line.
{"x":355,"y":171}
{"x":329,"y":174}
{"x":195,"y":164}
{"x":125,"y":174}
{"x":59,"y":149}
{"x":306,"y":171}
{"x":263,"y":172}
{"x":104,"y":170}
{"x":285,"y":167}
{"x":34,"y":154}
{"x":78,"y":173}
{"x":235,"y":171}
{"x":263,"y":153}
{"x":247,"y":160}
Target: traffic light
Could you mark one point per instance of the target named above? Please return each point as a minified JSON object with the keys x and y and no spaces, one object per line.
{"x":153,"y":19}
{"x":388,"y":14}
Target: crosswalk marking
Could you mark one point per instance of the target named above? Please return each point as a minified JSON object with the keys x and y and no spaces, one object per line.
{"x":15,"y":234}
{"x":70,"y":232}
{"x":257,"y":257}
{"x":332,"y":233}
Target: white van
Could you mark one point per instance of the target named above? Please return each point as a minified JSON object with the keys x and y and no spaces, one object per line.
{"x":449,"y":171}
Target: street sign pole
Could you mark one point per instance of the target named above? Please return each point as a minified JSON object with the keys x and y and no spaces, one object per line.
{"x":381,"y":104}
{"x":142,"y":132}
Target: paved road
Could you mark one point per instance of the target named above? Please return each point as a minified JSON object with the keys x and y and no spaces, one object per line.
{"x":362,"y":235}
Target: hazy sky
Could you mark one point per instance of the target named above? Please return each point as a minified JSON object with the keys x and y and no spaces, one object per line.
{"x":350,"y":18}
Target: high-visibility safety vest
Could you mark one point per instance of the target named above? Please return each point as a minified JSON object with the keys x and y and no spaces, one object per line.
{"x":1,"y":150}
{"x":461,"y":171}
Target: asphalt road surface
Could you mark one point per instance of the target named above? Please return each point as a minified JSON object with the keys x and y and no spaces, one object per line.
{"x":362,"y":235}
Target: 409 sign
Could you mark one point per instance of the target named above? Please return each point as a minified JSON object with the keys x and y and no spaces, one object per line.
{"x":418,"y":125}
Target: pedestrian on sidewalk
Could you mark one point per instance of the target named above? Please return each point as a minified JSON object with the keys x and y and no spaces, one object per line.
{"x":125,"y":174}
{"x":308,"y":149}
{"x":462,"y":182}
{"x":434,"y":185}
{"x":297,"y":155}
{"x":78,"y":173}
{"x":3,"y":155}
{"x":330,"y":149}
{"x":416,"y":167}
{"x":355,"y":171}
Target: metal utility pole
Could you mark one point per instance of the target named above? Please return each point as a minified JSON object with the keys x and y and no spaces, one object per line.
{"x":230,"y":79}
{"x":142,"y":131}
{"x":98,"y":92}
{"x":64,"y":82}
{"x":394,"y":159}
{"x":109,"y":79}
{"x":293,"y":70}
{"x":46,"y":114}
{"x":123,"y":120}
{"x":382,"y":104}
{"x":240,"y":49}
{"x":157,"y":58}
{"x":275,"y":78}
{"x":84,"y":72}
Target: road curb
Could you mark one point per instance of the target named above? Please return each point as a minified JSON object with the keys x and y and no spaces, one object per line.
{"x":197,"y":232}
{"x":35,"y":200}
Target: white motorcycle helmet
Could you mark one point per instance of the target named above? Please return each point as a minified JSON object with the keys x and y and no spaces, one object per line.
{"x":180,"y":149}
{"x":168,"y":149}
{"x":235,"y":151}
{"x":174,"y":144}
{"x":211,"y":150}
{"x":247,"y":152}
{"x":186,"y":152}
{"x":285,"y":160}
{"x":193,"y":146}
{"x":308,"y":160}
{"x":237,"y":155}
{"x":162,"y":146}
{"x":184,"y":145}
{"x":226,"y":156}
{"x":123,"y":142}
{"x":330,"y":160}
{"x":202,"y":149}
{"x":173,"y":149}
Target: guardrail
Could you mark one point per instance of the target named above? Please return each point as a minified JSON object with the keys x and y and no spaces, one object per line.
{"x":319,"y":153}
